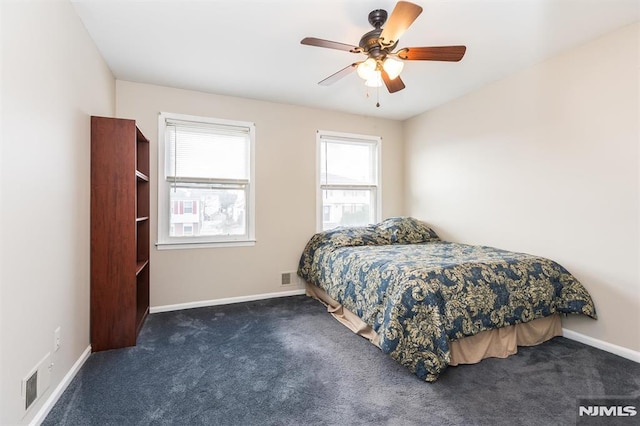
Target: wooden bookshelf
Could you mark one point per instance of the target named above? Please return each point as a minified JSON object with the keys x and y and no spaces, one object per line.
{"x":119,"y":232}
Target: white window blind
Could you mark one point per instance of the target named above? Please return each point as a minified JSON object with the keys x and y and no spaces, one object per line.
{"x":345,"y":161}
{"x":207,"y":153}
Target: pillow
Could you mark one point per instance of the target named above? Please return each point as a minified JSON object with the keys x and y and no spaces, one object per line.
{"x":338,"y":237}
{"x":346,"y":236}
{"x":407,"y":230}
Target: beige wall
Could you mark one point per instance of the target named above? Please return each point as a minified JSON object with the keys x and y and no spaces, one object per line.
{"x":546,"y":162}
{"x":53,"y":79}
{"x":285,"y":189}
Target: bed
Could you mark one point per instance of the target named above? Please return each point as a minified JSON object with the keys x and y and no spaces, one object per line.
{"x":428,"y":303}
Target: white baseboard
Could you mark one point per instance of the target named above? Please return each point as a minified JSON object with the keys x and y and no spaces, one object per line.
{"x":225,"y":301}
{"x":600,"y":344}
{"x":59,"y":390}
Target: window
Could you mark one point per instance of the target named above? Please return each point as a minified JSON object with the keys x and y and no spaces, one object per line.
{"x":348,"y":180}
{"x":205,"y":189}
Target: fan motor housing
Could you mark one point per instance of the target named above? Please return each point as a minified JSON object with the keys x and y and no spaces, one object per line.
{"x":370,"y":42}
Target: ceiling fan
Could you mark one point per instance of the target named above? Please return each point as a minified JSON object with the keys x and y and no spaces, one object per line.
{"x":382,"y":64}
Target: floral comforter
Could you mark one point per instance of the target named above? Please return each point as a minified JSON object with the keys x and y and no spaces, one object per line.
{"x":419,"y":292}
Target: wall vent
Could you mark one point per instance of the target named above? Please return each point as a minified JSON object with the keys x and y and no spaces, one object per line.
{"x":289,"y":278}
{"x":35,"y":384}
{"x":31,"y":390}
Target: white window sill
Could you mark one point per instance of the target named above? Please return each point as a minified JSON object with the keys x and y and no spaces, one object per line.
{"x":180,"y":246}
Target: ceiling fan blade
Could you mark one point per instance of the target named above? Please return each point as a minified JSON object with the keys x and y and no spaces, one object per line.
{"x":338,"y":75}
{"x":401,"y":18}
{"x":437,"y":53}
{"x":312,"y":41}
{"x":394,"y":85}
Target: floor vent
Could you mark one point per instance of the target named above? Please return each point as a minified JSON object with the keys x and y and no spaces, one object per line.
{"x":36,"y":382}
{"x":289,"y":279}
{"x":31,"y":390}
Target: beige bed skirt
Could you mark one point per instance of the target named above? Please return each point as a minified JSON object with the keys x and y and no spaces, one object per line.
{"x":499,"y":343}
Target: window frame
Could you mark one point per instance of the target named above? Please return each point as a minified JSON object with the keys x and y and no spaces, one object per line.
{"x":376,"y":142}
{"x":164,"y":240}
{"x":184,"y":207}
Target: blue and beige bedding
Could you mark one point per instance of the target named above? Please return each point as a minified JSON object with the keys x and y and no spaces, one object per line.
{"x":420,"y":293}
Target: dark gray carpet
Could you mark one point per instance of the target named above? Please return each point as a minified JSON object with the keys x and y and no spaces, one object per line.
{"x":288,"y":362}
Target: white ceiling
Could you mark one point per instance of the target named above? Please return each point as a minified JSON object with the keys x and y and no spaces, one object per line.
{"x":251,"y":48}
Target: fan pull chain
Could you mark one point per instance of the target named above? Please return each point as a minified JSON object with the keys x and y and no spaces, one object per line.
{"x":368,"y":95}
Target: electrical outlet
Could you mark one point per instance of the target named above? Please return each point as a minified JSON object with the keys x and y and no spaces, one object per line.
{"x":57,"y":339}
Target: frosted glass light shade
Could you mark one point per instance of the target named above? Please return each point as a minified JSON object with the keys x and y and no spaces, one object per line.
{"x":367,"y":69}
{"x":393,"y":67}
{"x":375,"y":81}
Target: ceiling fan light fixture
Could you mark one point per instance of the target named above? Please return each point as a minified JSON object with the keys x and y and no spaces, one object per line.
{"x":393,"y":67}
{"x":383,"y":64}
{"x":367,"y":69}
